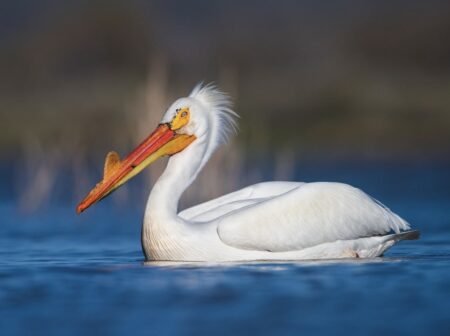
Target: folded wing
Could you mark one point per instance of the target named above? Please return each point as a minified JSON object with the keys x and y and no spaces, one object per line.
{"x":247,"y":196}
{"x":307,"y":215}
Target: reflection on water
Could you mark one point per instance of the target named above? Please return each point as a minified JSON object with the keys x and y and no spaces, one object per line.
{"x":92,"y":290}
{"x":107,"y":288}
{"x":66,"y":275}
{"x":277,"y":265}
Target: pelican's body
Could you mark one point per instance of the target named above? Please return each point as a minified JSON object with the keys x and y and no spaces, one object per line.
{"x":266,"y":221}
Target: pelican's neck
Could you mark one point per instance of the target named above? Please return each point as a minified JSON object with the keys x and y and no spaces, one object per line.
{"x":182,"y":169}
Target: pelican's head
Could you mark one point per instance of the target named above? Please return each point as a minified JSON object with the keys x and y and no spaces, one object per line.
{"x":205,"y":114}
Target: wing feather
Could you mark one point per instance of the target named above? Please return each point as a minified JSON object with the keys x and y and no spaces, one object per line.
{"x":250,"y":195}
{"x":308,"y":215}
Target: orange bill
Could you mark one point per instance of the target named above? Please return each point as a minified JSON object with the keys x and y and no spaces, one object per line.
{"x":163,"y":141}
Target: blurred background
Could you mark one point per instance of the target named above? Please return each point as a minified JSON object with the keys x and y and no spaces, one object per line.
{"x":318,"y":86}
{"x":350,"y":91}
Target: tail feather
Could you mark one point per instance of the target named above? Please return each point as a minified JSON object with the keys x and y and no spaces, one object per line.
{"x":407,"y":235}
{"x":377,"y":248}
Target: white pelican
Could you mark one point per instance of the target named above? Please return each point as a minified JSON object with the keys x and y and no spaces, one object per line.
{"x":265,"y":221}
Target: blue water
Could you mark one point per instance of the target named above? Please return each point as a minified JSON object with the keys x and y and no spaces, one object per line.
{"x":62,"y":274}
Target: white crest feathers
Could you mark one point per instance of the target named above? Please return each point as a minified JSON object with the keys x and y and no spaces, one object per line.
{"x":219,"y":103}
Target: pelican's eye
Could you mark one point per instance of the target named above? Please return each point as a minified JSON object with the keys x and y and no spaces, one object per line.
{"x":181,"y":118}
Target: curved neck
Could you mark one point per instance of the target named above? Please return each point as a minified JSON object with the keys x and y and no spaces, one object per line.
{"x":182,"y":169}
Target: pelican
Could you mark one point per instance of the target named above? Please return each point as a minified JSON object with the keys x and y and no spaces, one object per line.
{"x":265,"y":221}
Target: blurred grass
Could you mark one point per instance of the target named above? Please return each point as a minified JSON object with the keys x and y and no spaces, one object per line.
{"x":409,"y":119}
{"x":336,"y":80}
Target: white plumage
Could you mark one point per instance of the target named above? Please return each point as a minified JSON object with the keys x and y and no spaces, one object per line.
{"x":266,"y":221}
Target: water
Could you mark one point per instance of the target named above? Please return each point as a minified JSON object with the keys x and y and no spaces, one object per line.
{"x":62,"y":274}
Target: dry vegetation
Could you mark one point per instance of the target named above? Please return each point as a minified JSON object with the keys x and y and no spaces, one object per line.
{"x":83,"y":78}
